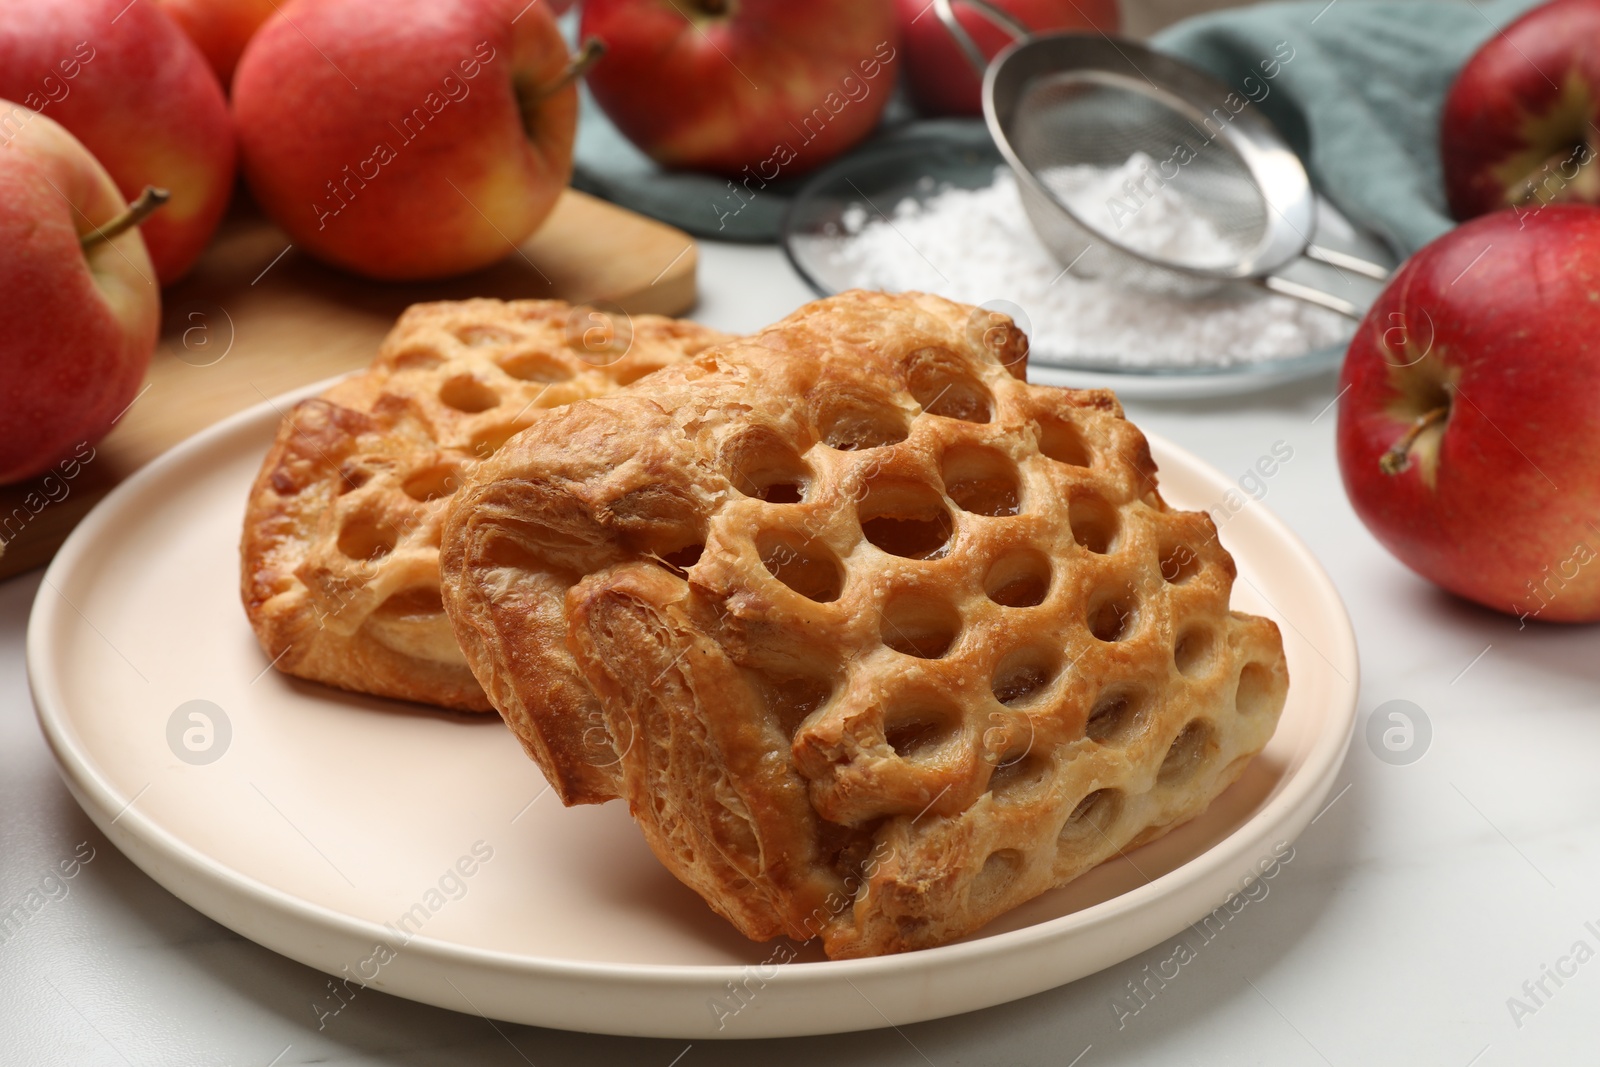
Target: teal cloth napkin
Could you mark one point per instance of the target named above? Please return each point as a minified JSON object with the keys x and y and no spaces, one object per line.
{"x":1359,"y":97}
{"x":608,"y":165}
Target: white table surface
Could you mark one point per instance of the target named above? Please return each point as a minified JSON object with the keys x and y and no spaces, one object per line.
{"x":1414,"y":907}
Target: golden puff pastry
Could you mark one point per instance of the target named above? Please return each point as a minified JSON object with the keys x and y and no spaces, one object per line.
{"x":877,"y":640}
{"x":340,"y":552}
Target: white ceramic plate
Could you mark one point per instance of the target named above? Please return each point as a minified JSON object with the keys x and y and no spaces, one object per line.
{"x":328,"y":815}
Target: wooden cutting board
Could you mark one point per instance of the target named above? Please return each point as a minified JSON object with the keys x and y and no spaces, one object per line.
{"x":257,"y":317}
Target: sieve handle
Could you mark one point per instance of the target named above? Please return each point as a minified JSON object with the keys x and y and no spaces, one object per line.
{"x":945,"y":9}
{"x":1310,"y":295}
{"x":1345,"y":261}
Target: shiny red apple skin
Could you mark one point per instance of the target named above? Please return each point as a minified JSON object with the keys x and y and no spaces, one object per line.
{"x":938,"y":73}
{"x":336,"y":150}
{"x":749,"y":88}
{"x":79,"y":327}
{"x":1499,"y":319}
{"x":1519,"y":110}
{"x":141,"y":98}
{"x":220,"y":28}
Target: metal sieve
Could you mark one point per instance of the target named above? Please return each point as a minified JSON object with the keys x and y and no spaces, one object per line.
{"x":1063,"y":101}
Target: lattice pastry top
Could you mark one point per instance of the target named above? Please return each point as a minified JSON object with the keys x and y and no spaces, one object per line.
{"x":877,"y":640}
{"x":340,"y":553}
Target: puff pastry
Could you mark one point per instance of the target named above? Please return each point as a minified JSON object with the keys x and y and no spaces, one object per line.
{"x":877,"y":640}
{"x":340,"y":551}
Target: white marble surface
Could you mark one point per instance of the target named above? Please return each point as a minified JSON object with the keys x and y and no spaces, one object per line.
{"x":1415,"y":906}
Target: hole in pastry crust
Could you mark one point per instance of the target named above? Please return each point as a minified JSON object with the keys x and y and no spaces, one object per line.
{"x":937,"y":379}
{"x":1257,"y":692}
{"x":1179,"y":563}
{"x":790,"y":701}
{"x":920,"y":627}
{"x":1113,"y":617}
{"x":1192,"y":653}
{"x":783,"y":492}
{"x":1092,"y":818}
{"x":982,"y":481}
{"x":480,"y":336}
{"x":680,"y":560}
{"x":806,"y":567}
{"x":1024,"y":673}
{"x":1018,"y":580}
{"x":906,"y":519}
{"x":1193,"y":746}
{"x":365,"y":537}
{"x":763,"y":465}
{"x":1094,"y":523}
{"x":466,"y":393}
{"x":416,"y":357}
{"x":1063,"y":442}
{"x":1019,"y":776}
{"x":535,"y":367}
{"x":432,"y":482}
{"x":1116,"y":717}
{"x":418,"y":601}
{"x":922,"y":733}
{"x":352,"y":477}
{"x":996,"y":876}
{"x":852,"y":423}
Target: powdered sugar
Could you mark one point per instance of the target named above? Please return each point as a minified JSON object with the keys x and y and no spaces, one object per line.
{"x":1143,"y":212}
{"x":978,"y":246}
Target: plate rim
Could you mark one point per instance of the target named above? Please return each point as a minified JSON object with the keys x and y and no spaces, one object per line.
{"x":180,"y":861}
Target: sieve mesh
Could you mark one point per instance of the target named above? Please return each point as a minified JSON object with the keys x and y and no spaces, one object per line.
{"x":1073,"y":119}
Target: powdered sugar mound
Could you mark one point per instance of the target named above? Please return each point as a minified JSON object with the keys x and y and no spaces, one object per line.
{"x":977,"y":246}
{"x":1143,"y":212}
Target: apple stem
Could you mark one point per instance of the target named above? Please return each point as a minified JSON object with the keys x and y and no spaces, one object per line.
{"x":135,"y":213}
{"x":1398,"y":458}
{"x":592,"y":50}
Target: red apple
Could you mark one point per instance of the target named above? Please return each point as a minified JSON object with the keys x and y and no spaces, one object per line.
{"x":220,"y":28}
{"x":82,"y":307}
{"x":1468,"y":437}
{"x":407,"y":138}
{"x":1519,"y":126}
{"x":746,"y":88}
{"x":938,"y":72}
{"x":128,"y":84}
